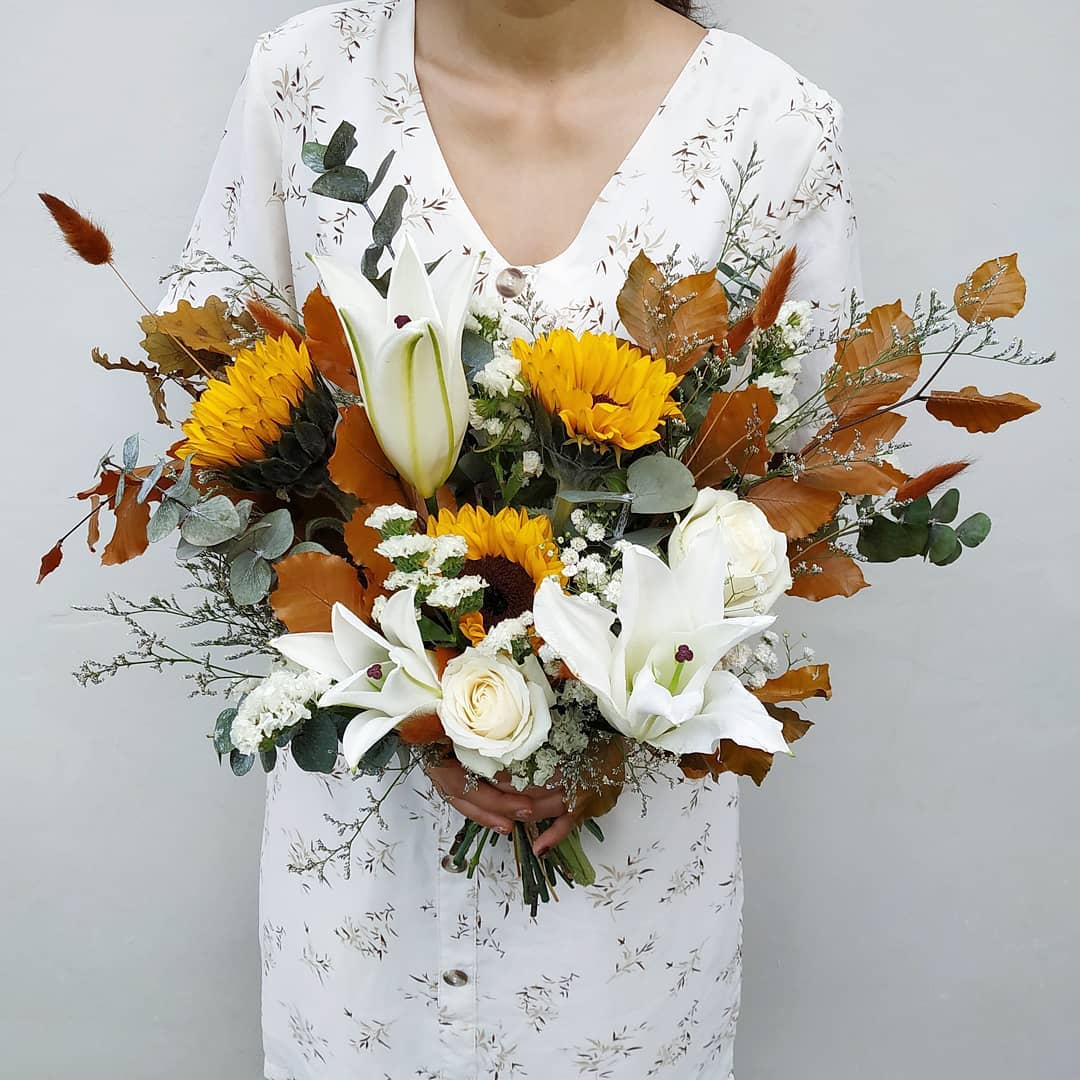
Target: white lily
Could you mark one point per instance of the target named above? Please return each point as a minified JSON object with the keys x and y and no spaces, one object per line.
{"x":656,"y":681}
{"x":389,"y":676}
{"x":407,"y":351}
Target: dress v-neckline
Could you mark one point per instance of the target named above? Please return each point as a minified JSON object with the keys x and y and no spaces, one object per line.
{"x":427,"y":132}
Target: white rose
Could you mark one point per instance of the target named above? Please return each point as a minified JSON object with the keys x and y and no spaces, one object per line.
{"x":494,"y":711}
{"x":758,"y":568}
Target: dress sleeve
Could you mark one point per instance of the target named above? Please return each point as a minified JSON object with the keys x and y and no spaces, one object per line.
{"x":240,"y":221}
{"x":825,"y":230}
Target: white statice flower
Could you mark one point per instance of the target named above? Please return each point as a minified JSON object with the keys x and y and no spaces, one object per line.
{"x":457,"y":594}
{"x":406,"y":548}
{"x":777,"y":385}
{"x":448,"y":547}
{"x":502,"y":636}
{"x":501,"y":375}
{"x":532,"y":465}
{"x":420,"y":580}
{"x":378,"y":607}
{"x":280,"y":701}
{"x":391,"y":519}
{"x":483,"y":312}
{"x":794,"y":323}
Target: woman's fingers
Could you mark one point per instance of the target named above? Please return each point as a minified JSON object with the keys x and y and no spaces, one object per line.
{"x":559,"y":829}
{"x":481,"y":816}
{"x":493,"y":803}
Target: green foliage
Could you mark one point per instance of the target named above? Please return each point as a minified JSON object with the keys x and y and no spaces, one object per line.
{"x":380,"y":755}
{"x":922,"y":528}
{"x":315,"y":746}
{"x":660,"y":485}
{"x":241,"y":763}
{"x":223,"y":732}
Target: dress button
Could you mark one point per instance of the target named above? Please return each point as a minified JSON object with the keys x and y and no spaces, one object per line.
{"x":510,"y":282}
{"x":451,"y":867}
{"x":455,"y":977}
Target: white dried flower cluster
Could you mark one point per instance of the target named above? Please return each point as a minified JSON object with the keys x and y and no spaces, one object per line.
{"x":501,"y":375}
{"x":280,"y":701}
{"x":794,"y":323}
{"x":504,"y":635}
{"x":495,"y":318}
{"x":391,"y":520}
{"x":532,"y":465}
{"x":592,"y":529}
{"x":407,"y":551}
{"x":500,"y":419}
{"x":457,"y":594}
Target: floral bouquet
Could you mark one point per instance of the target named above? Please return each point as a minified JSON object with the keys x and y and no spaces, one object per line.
{"x":552,"y":557}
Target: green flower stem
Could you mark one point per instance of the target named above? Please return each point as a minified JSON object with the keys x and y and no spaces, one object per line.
{"x":580,"y":867}
{"x":475,"y":860}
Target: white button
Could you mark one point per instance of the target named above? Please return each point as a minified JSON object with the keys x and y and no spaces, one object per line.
{"x":450,"y":866}
{"x":510,"y":282}
{"x":455,"y":977}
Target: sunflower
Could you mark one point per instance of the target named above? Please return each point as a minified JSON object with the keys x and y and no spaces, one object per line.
{"x":607,"y":393}
{"x":511,"y":551}
{"x":269,"y":423}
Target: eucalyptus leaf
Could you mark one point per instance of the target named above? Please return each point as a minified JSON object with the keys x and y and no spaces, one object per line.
{"x":944,"y":546}
{"x":917,"y":512}
{"x":315,"y":746}
{"x":152,"y":477}
{"x":973,"y":530}
{"x":121,"y":484}
{"x":163,"y":521}
{"x":342,"y":144}
{"x":346,"y":183}
{"x":211,"y":522}
{"x":185,"y":552}
{"x":380,"y":173}
{"x":947,"y":507}
{"x":243,"y":512}
{"x":241,"y":763}
{"x":308,"y":545}
{"x":369,"y":263}
{"x":378,"y":757}
{"x":476,"y":352}
{"x":275,"y":534}
{"x":223,"y":731}
{"x":882,"y":540}
{"x":660,"y":485}
{"x":268,"y":759}
{"x":313,"y":155}
{"x":386,"y":225}
{"x":131,"y":452}
{"x":249,"y":578}
{"x":646,"y":538}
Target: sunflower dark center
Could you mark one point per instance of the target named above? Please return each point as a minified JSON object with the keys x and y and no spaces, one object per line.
{"x":510,"y":587}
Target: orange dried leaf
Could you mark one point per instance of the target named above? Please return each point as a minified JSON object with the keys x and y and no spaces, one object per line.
{"x":796,"y":509}
{"x":740,"y":333}
{"x":775,"y":292}
{"x":421,"y":728}
{"x":844,"y":459}
{"x":129,"y":538}
{"x":326,"y":341}
{"x":207,"y":327}
{"x":876,"y":363}
{"x":88,"y":240}
{"x":732,"y":437}
{"x":93,"y":526}
{"x":798,"y":684}
{"x":821,"y":572}
{"x":967,"y":408}
{"x":358,"y":464}
{"x":745,"y":760}
{"x":309,"y":584}
{"x":49,"y":562}
{"x":361,"y":540}
{"x":997,"y":290}
{"x":927,"y":481}
{"x":273,"y":322}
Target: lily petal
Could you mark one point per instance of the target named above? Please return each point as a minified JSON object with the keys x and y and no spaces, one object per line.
{"x":364,"y":731}
{"x":314,"y":651}
{"x":578,"y":631}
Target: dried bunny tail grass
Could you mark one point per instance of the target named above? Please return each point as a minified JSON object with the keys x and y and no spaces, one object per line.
{"x":925,"y":482}
{"x":86,"y":239}
{"x":773,"y":295}
{"x":272,"y":321}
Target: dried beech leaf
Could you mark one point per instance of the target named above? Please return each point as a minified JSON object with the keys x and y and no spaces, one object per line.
{"x":326,"y":341}
{"x":997,"y":290}
{"x":273,"y":322}
{"x":798,"y":684}
{"x":967,"y":408}
{"x":732,"y":437}
{"x":796,"y":509}
{"x":129,"y":535}
{"x":843,"y":460}
{"x":821,"y":572}
{"x":49,"y":562}
{"x":361,"y":540}
{"x":358,"y":464}
{"x":207,"y":327}
{"x":421,"y":728}
{"x":309,"y":584}
{"x":862,"y":380}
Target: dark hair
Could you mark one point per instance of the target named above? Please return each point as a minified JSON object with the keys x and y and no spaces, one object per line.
{"x":682,"y":7}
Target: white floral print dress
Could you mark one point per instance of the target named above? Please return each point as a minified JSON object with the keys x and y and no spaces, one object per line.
{"x":377,"y":961}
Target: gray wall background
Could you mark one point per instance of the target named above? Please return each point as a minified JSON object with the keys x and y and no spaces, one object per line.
{"x":911,"y":880}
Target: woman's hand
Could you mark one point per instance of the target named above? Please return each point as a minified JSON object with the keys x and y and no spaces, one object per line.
{"x":497,"y":804}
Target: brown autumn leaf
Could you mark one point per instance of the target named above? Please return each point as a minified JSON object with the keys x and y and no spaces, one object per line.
{"x":927,"y":481}
{"x":680,"y":321}
{"x":843,"y":459}
{"x":967,"y":408}
{"x":361,"y":540}
{"x":421,"y":728}
{"x":798,"y":684}
{"x":273,"y":322}
{"x":326,"y":341}
{"x":606,"y":779}
{"x":796,"y":509}
{"x":876,"y":363}
{"x":996,"y":290}
{"x":93,"y":526}
{"x":129,"y":538}
{"x":745,"y":760}
{"x":192,"y":341}
{"x":820,"y":571}
{"x":49,"y":562}
{"x":309,"y":584}
{"x":732,"y":437}
{"x":358,"y":464}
